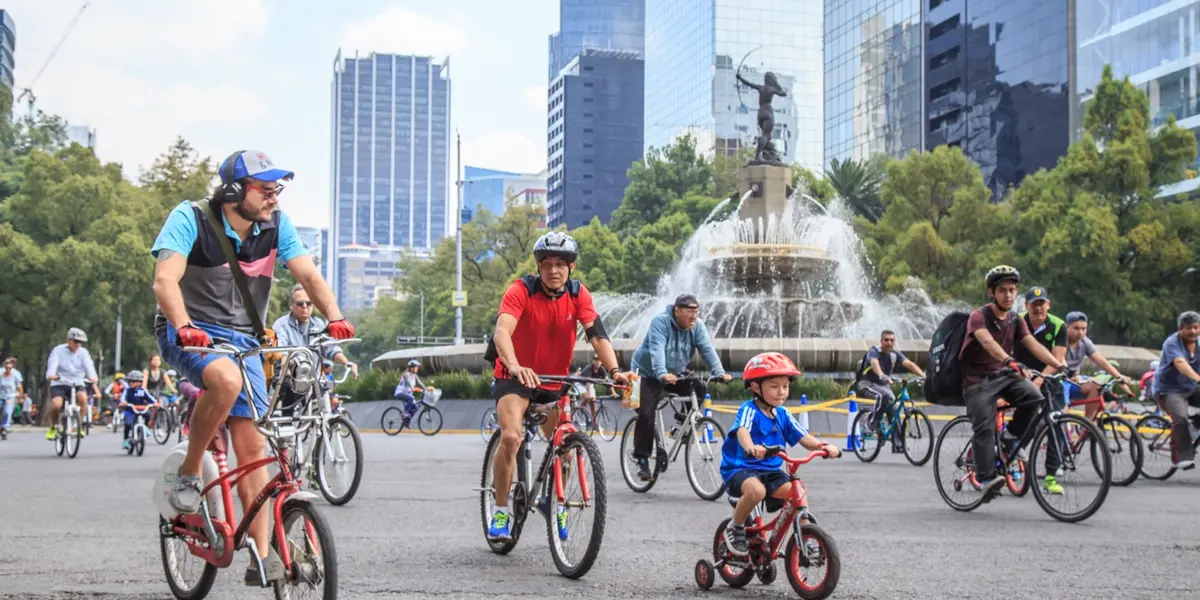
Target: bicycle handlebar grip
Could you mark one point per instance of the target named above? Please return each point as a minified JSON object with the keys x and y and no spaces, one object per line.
{"x":773,"y":450}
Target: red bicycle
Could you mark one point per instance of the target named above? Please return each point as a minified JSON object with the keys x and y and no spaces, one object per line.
{"x":194,"y":546}
{"x":765,"y":540}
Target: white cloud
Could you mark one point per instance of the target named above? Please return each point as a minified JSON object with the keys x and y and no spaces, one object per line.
{"x":504,"y":150}
{"x":401,"y":31}
{"x":535,"y":96}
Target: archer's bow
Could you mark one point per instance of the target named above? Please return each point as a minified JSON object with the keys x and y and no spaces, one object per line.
{"x":739,"y":72}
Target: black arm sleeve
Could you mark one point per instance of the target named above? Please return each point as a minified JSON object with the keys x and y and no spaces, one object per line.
{"x":596,"y":331}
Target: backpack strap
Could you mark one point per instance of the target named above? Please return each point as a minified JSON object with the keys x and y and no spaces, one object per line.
{"x":235,"y":268}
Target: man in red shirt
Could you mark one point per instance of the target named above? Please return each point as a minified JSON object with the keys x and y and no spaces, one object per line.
{"x":535,"y":334}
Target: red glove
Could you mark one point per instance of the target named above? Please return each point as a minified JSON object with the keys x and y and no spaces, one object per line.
{"x":341,"y":329}
{"x":1014,"y":365}
{"x":190,"y":335}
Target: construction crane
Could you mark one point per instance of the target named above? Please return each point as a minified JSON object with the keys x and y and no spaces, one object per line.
{"x":27,"y":92}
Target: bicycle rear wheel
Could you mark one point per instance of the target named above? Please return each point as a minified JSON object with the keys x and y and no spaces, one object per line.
{"x":1157,"y":461}
{"x":488,"y":424}
{"x":605,"y":425}
{"x":60,"y":438}
{"x":703,"y":457}
{"x":139,"y":440}
{"x":1085,"y":472}
{"x":392,"y":420}
{"x":339,"y":463}
{"x":585,"y":500}
{"x":162,"y":427}
{"x":629,"y":468}
{"x":867,"y":440}
{"x":74,"y":436}
{"x":916,"y":433}
{"x":516,"y":497}
{"x":954,"y":466}
{"x":310,"y":546}
{"x":430,"y":420}
{"x":1125,"y":446}
{"x":188,"y":576}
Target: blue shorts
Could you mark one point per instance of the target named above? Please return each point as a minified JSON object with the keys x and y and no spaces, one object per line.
{"x":192,"y":365}
{"x":772,"y":480}
{"x":131,"y":417}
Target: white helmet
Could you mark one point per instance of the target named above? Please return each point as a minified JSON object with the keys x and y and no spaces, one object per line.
{"x":76,"y":334}
{"x":1154,"y":365}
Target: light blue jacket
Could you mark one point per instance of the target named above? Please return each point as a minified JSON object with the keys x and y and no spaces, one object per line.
{"x":668,"y":348}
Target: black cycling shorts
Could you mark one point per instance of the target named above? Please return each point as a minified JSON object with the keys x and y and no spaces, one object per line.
{"x":772,"y":480}
{"x":504,"y":387}
{"x":65,"y":391}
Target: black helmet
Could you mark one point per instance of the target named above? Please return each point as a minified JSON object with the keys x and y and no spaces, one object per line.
{"x":1002,"y":273}
{"x":556,"y":243}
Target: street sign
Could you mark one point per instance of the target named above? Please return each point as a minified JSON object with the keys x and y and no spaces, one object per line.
{"x":460,"y":299}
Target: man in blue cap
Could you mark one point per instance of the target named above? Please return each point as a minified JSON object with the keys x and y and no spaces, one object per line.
{"x":198,"y":301}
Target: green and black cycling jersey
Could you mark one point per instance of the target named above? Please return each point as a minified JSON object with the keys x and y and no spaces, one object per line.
{"x":1050,"y":334}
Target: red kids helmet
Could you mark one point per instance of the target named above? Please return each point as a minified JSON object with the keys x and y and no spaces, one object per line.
{"x":769,"y":364}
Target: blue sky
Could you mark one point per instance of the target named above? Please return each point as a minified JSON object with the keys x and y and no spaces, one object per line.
{"x":233,"y":74}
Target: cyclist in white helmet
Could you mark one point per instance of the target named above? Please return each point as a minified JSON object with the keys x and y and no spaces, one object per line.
{"x":71,"y":372}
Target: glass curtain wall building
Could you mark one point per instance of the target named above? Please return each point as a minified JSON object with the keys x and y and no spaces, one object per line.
{"x":390,"y":167}
{"x":1155,"y":44}
{"x":693,"y":51}
{"x":617,"y":25}
{"x":8,"y":47}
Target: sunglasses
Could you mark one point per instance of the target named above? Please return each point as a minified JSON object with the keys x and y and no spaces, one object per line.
{"x":304,"y":304}
{"x":267,"y":192}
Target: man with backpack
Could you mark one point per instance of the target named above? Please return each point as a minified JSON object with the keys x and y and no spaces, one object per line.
{"x":874,"y":378}
{"x":988,"y":372}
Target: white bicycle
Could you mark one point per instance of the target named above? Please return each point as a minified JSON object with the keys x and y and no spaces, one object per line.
{"x":331,"y":453}
{"x":140,"y":431}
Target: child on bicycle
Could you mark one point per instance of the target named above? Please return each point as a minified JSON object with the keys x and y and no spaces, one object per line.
{"x":762,"y":421}
{"x":134,"y":396}
{"x":409,"y":382}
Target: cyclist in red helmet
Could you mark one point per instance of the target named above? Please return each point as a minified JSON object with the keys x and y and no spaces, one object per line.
{"x":762,"y":421}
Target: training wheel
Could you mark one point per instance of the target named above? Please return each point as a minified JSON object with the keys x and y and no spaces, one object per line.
{"x":766,"y":575}
{"x":704,"y":574}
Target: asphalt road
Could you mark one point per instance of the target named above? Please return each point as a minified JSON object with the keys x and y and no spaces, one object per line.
{"x":85,"y":528}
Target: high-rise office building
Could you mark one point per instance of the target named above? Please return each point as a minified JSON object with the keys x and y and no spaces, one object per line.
{"x":495,"y":191}
{"x":693,"y":51}
{"x":8,"y":47}
{"x":1152,"y":42}
{"x":390,"y":168}
{"x":83,"y":135}
{"x":316,"y":239}
{"x":618,"y":25}
{"x":595,"y":121}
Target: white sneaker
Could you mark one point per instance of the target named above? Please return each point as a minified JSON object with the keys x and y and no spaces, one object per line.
{"x":1185,"y":465}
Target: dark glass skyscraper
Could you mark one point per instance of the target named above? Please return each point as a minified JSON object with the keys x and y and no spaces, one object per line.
{"x":8,"y":47}
{"x":618,"y":25}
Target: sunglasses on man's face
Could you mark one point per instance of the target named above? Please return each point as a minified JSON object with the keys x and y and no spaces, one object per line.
{"x":304,"y":304}
{"x":267,"y":192}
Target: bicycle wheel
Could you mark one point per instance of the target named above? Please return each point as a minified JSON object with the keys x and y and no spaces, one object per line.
{"x":488,"y":424}
{"x":1157,"y":460}
{"x":338,"y":459}
{"x":629,"y":468}
{"x":867,"y":439}
{"x":916,"y":433}
{"x":703,"y":457}
{"x":392,"y":420}
{"x":60,"y":438}
{"x":430,"y":420}
{"x":139,"y":440}
{"x":954,"y":466}
{"x":1125,"y":446}
{"x":311,"y":549}
{"x":585,"y":500}
{"x":825,"y":564}
{"x":74,"y":436}
{"x":188,"y":576}
{"x":606,"y":425}
{"x":734,"y":577}
{"x":581,"y":421}
{"x":162,"y":427}
{"x":487,"y":498}
{"x":1078,"y":479}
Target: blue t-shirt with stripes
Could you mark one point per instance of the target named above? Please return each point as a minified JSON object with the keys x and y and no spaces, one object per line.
{"x":779,"y":429}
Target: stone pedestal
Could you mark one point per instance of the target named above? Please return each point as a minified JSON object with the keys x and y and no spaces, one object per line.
{"x":770,"y":196}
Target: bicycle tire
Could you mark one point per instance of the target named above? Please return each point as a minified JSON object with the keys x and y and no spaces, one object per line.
{"x":924,"y":428}
{"x":325,"y":546}
{"x":391,"y":421}
{"x":732,"y":576}
{"x":429,"y":420}
{"x":865,"y":449}
{"x":581,"y":421}
{"x":204,"y":583}
{"x":629,"y":465}
{"x":488,"y":424}
{"x":162,"y":428}
{"x":700,"y":432}
{"x":139,"y":440}
{"x":486,"y":494}
{"x":60,"y":437}
{"x":73,"y":439}
{"x":1157,"y":459}
{"x":318,"y":462}
{"x":1015,"y":487}
{"x":794,"y":560}
{"x":1095,"y":436}
{"x":1125,"y":447}
{"x":581,"y":443}
{"x":961,"y":461}
{"x":606,"y":424}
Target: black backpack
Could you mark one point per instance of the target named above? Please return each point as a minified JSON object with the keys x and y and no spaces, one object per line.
{"x":943,"y":381}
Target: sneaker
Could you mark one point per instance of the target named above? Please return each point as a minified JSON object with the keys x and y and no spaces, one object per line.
{"x":1185,"y":465}
{"x":185,"y":494}
{"x":501,"y":527}
{"x":52,"y":433}
{"x":1011,"y":449}
{"x":273,"y":565}
{"x":735,"y":540}
{"x":991,"y":487}
{"x":812,"y":548}
{"x":3,"y":434}
{"x":560,"y":519}
{"x":1053,"y":486}
{"x":125,"y":445}
{"x":644,"y":469}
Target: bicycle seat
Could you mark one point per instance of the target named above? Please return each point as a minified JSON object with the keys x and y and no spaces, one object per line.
{"x":770,"y":505}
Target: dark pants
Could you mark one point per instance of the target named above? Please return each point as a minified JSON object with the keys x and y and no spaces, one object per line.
{"x":981,"y":408}
{"x":1176,"y":405}
{"x":652,"y":392}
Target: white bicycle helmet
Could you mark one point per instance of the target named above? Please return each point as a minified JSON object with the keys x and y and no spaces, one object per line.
{"x":135,"y":376}
{"x":556,"y":243}
{"x":76,"y":334}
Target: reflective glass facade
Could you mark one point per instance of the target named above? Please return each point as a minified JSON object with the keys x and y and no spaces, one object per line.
{"x":873,"y":93}
{"x":693,"y":51}
{"x":618,"y":25}
{"x":595,"y":135}
{"x":998,"y":83}
{"x":8,"y":47}
{"x":390,"y":164}
{"x":494,"y":190}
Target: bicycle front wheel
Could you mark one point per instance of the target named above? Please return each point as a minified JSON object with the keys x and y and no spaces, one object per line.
{"x":392,"y":420}
{"x":1125,"y":446}
{"x":74,"y":435}
{"x":338,"y":458}
{"x":703,"y":457}
{"x":139,"y":440}
{"x":162,"y":427}
{"x":488,"y":424}
{"x":1157,"y":460}
{"x":430,"y":420}
{"x":916,"y":433}
{"x":575,"y":522}
{"x":629,"y":467}
{"x":1083,"y":468}
{"x":868,"y":440}
{"x":314,"y":558}
{"x":605,"y":425}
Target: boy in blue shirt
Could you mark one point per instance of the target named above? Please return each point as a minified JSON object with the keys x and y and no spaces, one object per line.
{"x":134,"y":396}
{"x":762,"y":421}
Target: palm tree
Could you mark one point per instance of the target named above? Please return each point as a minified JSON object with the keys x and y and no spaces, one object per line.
{"x":858,"y":183}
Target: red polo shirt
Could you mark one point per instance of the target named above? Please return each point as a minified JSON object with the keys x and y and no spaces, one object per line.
{"x":544,"y":339}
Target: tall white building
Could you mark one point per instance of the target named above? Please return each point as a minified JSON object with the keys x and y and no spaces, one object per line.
{"x":390,"y":168}
{"x":82,"y":135}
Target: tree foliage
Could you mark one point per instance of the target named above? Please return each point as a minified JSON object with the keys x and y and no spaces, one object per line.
{"x":859,"y":183}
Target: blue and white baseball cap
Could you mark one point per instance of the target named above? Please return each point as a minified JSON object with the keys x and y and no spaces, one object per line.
{"x":254,"y":164}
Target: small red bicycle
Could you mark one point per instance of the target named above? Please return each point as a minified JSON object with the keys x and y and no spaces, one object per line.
{"x":820,"y":557}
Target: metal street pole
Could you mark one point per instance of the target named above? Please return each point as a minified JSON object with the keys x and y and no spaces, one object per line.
{"x":117,"y":356}
{"x":422,"y":317}
{"x":458,"y":316}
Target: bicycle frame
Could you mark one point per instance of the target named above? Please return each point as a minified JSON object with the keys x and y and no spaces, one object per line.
{"x":788,"y":520}
{"x":1045,"y":415}
{"x":564,"y":428}
{"x":686,"y":429}
{"x":906,"y":405}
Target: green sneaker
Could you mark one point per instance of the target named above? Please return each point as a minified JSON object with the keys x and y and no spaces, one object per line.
{"x":561,"y":519}
{"x":51,"y":433}
{"x":1052,"y":485}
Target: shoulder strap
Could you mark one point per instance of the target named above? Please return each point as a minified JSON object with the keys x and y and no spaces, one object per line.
{"x":235,"y":267}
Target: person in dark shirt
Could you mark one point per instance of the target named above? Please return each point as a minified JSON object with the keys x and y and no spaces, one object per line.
{"x":1049,"y":331}
{"x":990,"y":372}
{"x":876,"y":369}
{"x":595,"y":370}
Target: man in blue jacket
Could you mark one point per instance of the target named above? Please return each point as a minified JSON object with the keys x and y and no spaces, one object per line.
{"x":674,"y":336}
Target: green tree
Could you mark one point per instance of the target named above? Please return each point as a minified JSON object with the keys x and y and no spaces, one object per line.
{"x":664,"y":175}
{"x":859,"y":183}
{"x":179,"y":174}
{"x":600,"y":265}
{"x":812,"y":184}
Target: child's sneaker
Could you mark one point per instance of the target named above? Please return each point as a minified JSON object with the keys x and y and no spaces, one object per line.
{"x":812,"y":548}
{"x":501,"y":526}
{"x":125,"y":445}
{"x":735,"y":540}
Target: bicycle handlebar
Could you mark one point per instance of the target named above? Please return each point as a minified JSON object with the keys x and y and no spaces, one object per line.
{"x":782,"y":453}
{"x":578,"y":379}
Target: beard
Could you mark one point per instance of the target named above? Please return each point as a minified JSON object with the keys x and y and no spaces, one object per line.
{"x":254,"y":217}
